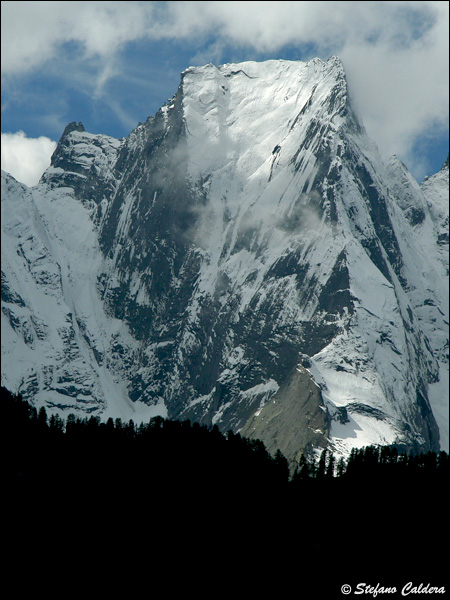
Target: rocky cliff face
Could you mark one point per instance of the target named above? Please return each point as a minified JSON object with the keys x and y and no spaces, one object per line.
{"x":243,"y":259}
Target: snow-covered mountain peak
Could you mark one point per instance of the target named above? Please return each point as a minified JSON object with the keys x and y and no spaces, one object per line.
{"x":406,"y":191}
{"x":249,"y":112}
{"x":245,"y":260}
{"x":80,"y":162}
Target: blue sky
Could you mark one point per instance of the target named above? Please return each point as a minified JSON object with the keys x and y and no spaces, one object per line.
{"x":113,"y":64}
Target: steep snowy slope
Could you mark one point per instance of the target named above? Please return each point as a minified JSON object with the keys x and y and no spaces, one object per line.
{"x":55,"y":333}
{"x":243,"y":258}
{"x":435,"y":306}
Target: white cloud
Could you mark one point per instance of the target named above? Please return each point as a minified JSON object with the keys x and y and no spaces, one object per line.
{"x":33,"y":32}
{"x":402,"y":92}
{"x":26,"y":158}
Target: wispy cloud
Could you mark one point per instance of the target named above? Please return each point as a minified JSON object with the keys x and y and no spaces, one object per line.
{"x":35,"y":32}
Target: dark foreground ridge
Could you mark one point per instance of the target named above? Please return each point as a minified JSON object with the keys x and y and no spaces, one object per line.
{"x":380,"y":513}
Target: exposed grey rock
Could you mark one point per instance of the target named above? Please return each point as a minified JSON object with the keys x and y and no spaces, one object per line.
{"x":243,"y":258}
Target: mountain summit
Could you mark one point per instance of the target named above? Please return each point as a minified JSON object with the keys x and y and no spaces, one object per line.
{"x":243,"y":258}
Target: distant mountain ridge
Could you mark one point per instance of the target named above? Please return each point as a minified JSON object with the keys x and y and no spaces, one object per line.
{"x":243,"y":258}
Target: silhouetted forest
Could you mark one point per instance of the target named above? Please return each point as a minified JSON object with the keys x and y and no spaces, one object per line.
{"x":176,"y":454}
{"x":161,"y":458}
{"x":209,"y":484}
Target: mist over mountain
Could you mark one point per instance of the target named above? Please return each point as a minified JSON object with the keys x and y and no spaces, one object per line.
{"x":242,"y":259}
